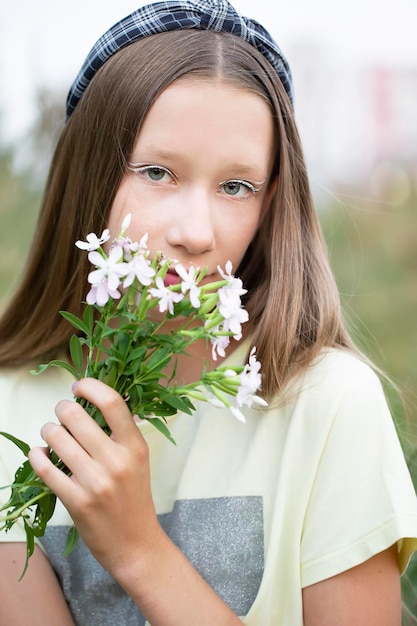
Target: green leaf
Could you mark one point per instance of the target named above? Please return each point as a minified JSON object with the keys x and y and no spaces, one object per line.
{"x":179,"y":403}
{"x":72,"y":540}
{"x":76,"y":322}
{"x":123,"y":344}
{"x":30,"y":546}
{"x":159,"y":360}
{"x":136,"y":355}
{"x":88,"y":319}
{"x":161,"y":426}
{"x":160,"y":408}
{"x":24,"y":447}
{"x":135,"y":397}
{"x":76,"y":354}
{"x":25,"y":473}
{"x":45,"y":510}
{"x":56,"y":363}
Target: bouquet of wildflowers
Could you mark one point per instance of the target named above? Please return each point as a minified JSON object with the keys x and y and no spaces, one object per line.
{"x":118,"y":342}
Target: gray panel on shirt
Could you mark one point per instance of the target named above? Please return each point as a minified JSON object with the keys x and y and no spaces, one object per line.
{"x":221,"y":537}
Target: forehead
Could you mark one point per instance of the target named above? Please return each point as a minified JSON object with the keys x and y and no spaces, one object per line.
{"x":220,"y":120}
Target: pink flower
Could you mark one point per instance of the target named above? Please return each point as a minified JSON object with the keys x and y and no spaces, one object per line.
{"x":100,"y":294}
{"x":106,"y":278}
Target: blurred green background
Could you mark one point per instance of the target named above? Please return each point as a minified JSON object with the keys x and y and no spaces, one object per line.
{"x":372,"y":246}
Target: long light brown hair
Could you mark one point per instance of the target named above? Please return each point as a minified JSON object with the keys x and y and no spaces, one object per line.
{"x":292,"y":297}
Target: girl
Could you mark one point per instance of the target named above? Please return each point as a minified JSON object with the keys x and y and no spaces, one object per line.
{"x":182,"y":116}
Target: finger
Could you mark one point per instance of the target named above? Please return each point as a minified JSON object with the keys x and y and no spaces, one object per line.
{"x":84,"y":468}
{"x":111,"y":404}
{"x":68,"y":449}
{"x":53,"y":478}
{"x":81,"y":426}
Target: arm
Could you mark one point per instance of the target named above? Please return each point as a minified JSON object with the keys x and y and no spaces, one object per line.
{"x":37,"y":599}
{"x":109,"y":498}
{"x":366,"y":595}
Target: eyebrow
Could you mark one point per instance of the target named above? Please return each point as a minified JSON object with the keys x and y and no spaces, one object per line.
{"x":156,"y":152}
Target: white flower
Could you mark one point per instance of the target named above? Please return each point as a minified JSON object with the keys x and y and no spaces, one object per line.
{"x":143,"y":243}
{"x":109,"y":268}
{"x":129,"y":248}
{"x":234,"y":284}
{"x":221,"y":402}
{"x":227,"y":273}
{"x":126,"y":223}
{"x":215,"y":402}
{"x":219,"y":345}
{"x":100,"y":294}
{"x":139,"y":267}
{"x":166,"y":297}
{"x":230,"y":307}
{"x":188,"y":284}
{"x":93,"y":242}
{"x":237,"y":413}
{"x":250,"y":383}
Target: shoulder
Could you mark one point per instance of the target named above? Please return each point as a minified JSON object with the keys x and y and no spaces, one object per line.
{"x":336,"y":375}
{"x":338,"y":390}
{"x":23,"y":380}
{"x":28,"y":400}
{"x":342,"y":368}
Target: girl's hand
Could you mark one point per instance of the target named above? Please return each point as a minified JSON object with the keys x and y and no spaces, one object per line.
{"x":108,"y":494}
{"x":109,"y":498}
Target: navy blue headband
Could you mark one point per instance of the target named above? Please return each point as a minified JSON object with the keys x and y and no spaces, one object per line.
{"x":217,"y":15}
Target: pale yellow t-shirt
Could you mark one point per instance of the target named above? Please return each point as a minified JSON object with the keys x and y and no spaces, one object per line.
{"x":299,"y":493}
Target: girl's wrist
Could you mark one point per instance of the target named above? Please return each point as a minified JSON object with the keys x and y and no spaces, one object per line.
{"x":139,"y":565}
{"x":168,"y":590}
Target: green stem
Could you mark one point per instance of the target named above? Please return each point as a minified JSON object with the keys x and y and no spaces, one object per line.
{"x":16,"y":513}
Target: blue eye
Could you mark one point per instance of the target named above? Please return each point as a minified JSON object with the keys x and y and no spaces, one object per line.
{"x":154,"y":173}
{"x":232,"y":188}
{"x":238,"y":188}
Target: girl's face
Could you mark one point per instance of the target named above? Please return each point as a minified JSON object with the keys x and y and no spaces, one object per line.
{"x":198,"y":176}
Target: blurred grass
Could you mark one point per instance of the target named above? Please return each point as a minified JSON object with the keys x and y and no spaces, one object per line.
{"x":19,"y":202}
{"x":373,"y":251}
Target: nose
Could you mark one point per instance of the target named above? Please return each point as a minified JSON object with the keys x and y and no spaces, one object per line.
{"x":192,"y":226}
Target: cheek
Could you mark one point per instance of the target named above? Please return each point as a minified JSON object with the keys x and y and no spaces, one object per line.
{"x":119,"y":209}
{"x":249,"y":224}
{"x":126,"y":202}
{"x":141,"y":204}
{"x":239,"y":235}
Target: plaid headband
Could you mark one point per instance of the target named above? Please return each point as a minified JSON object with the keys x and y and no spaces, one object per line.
{"x":217,"y":15}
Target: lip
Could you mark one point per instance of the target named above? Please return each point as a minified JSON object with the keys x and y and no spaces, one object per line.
{"x":171,"y":278}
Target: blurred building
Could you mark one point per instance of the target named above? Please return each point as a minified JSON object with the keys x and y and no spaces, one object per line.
{"x":354,"y":119}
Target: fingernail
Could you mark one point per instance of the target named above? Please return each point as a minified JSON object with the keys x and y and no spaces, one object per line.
{"x":73,"y":386}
